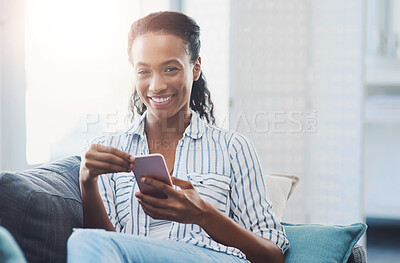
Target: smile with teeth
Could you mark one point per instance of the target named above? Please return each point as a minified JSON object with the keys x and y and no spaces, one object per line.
{"x":160,"y":100}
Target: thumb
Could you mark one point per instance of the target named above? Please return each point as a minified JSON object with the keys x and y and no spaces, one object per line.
{"x":181,"y":183}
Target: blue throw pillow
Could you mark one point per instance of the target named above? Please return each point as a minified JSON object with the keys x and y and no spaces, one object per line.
{"x":312,"y":243}
{"x":9,"y":250}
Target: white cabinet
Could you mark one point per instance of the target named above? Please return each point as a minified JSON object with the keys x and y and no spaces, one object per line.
{"x":382,"y":110}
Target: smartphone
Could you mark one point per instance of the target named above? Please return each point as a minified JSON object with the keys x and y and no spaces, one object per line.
{"x":151,"y":165}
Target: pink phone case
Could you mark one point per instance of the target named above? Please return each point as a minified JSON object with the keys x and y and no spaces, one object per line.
{"x":152,"y":165}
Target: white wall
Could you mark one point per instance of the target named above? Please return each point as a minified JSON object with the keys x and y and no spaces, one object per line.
{"x":1,"y":79}
{"x":12,"y":85}
{"x":296,"y":85}
{"x":268,"y":86}
{"x":214,"y":36}
{"x":336,"y":90}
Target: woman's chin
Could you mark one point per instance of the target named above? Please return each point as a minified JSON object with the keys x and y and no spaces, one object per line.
{"x":170,"y":112}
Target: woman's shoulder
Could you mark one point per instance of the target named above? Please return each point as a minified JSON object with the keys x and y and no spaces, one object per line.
{"x":216,"y":132}
{"x":232,"y":138}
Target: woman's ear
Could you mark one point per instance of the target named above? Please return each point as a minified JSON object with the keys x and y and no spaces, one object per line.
{"x":197,"y":69}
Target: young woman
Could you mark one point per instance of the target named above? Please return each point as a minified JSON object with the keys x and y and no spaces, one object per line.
{"x":217,"y":210}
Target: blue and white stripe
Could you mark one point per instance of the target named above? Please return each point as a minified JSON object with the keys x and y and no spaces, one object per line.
{"x":222,"y":165}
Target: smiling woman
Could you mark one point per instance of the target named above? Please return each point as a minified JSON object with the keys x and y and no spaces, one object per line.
{"x":218,"y":209}
{"x":165,"y":85}
{"x":176,"y":48}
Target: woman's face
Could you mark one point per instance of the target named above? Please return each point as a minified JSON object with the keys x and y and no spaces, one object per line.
{"x":163,"y":74}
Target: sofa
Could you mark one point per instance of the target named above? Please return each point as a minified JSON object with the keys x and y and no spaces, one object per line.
{"x":41,"y":206}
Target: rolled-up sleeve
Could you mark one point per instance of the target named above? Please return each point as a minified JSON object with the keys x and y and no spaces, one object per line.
{"x":249,"y":204}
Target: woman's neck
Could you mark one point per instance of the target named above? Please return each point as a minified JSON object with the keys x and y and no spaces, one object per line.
{"x":167,"y":128}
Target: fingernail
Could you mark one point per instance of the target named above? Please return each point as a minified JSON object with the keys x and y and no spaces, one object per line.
{"x":143,"y":179}
{"x":131,"y":158}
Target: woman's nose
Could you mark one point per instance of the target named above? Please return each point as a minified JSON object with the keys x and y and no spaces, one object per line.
{"x":157,"y":84}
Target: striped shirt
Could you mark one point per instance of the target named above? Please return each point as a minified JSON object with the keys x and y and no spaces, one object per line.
{"x":222,"y":165}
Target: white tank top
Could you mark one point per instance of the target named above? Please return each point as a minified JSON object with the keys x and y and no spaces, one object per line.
{"x":159,"y":228}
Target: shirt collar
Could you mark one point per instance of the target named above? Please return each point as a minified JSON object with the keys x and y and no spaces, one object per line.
{"x":196,"y":127}
{"x":137,"y":127}
{"x":194,"y":130}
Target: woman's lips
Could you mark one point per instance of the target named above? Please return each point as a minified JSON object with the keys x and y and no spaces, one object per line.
{"x":161,"y":100}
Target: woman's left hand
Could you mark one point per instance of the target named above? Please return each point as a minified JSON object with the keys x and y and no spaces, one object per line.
{"x":183,"y":206}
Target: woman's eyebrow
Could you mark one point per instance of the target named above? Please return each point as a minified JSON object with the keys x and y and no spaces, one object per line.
{"x":162,"y":64}
{"x":173,"y":60}
{"x":142,"y":64}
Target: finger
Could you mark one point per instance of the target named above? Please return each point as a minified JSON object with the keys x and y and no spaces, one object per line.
{"x":152,"y":215}
{"x":149,"y":213}
{"x":153,"y":201}
{"x":111,"y":150}
{"x":182,"y":183}
{"x":106,"y":157}
{"x":107,"y":167}
{"x":163,"y":187}
{"x":157,"y":213}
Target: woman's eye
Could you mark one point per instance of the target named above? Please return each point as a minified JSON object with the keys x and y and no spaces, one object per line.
{"x":172,"y":69}
{"x":142,"y":72}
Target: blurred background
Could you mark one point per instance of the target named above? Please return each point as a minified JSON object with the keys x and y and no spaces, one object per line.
{"x":314,"y":84}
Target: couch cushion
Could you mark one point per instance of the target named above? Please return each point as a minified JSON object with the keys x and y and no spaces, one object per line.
{"x":311,"y":243}
{"x":40,"y":207}
{"x":279,"y":188}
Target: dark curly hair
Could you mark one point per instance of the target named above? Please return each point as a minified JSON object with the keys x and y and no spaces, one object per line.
{"x":187,"y":29}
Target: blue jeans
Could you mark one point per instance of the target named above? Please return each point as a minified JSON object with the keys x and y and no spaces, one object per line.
{"x":96,"y":245}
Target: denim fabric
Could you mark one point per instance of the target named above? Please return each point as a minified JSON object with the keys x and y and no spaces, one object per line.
{"x":40,"y":207}
{"x":9,"y":250}
{"x":96,"y":245}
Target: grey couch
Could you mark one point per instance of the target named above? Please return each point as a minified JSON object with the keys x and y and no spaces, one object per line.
{"x":41,"y":206}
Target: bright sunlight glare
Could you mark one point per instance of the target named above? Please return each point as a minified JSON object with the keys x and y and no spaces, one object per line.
{"x":78,"y":75}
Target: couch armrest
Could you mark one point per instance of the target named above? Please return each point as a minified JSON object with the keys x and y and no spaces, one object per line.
{"x":41,"y":206}
{"x":358,"y":255}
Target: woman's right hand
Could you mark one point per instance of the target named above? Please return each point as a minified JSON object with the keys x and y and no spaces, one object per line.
{"x":100,"y":159}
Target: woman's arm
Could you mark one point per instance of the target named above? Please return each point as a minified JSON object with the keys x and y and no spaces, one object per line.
{"x":225,"y":231}
{"x":99,"y":160}
{"x":94,"y":212}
